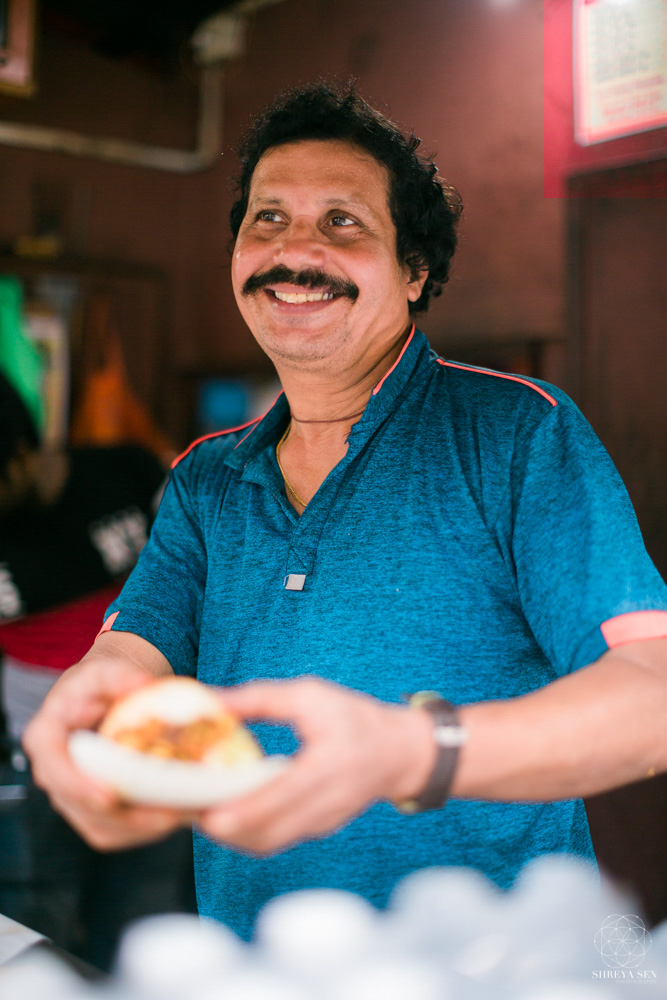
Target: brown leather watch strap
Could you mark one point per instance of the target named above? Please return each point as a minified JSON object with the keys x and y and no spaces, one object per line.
{"x":450,"y":736}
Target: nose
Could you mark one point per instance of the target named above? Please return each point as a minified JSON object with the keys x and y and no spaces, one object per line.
{"x":301,"y":245}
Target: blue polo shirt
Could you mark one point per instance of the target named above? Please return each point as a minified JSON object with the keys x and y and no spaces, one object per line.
{"x":475,"y":539}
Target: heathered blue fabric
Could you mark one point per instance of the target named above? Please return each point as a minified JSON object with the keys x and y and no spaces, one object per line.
{"x":472,"y":541}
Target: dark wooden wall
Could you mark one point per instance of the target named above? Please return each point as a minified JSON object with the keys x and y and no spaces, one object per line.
{"x":619,"y":360}
{"x":620,"y":350}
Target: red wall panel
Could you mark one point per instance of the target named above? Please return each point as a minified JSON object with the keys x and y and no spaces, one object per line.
{"x":563,"y":156}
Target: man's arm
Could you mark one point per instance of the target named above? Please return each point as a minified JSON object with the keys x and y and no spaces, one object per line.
{"x":600,"y":727}
{"x":119,"y":662}
{"x":603,"y":726}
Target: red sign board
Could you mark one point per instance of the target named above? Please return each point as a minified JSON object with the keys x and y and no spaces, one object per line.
{"x":620,"y":67}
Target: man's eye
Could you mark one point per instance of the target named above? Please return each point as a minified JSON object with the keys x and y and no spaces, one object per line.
{"x":342,"y":220}
{"x":267,"y":216}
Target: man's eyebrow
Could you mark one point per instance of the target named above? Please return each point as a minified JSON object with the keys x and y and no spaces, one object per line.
{"x":340,"y":201}
{"x":264,"y":200}
{"x":351,"y":202}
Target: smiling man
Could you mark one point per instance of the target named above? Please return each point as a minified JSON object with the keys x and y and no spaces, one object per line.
{"x":318,"y":282}
{"x":395,"y":523}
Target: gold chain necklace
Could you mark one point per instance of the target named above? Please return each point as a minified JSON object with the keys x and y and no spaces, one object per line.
{"x":282,"y":471}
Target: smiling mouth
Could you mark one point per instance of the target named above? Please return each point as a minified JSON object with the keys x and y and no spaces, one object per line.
{"x":317,"y":285}
{"x":297,"y":298}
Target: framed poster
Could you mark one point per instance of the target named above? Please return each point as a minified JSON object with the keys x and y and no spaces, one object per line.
{"x":17,"y":47}
{"x":620,"y":68}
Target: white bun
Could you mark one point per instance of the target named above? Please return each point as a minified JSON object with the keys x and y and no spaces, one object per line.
{"x":232,"y":767}
{"x":176,"y":700}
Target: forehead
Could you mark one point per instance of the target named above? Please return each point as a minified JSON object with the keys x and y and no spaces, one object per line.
{"x":330,"y":169}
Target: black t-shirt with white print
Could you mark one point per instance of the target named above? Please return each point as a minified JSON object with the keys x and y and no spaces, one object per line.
{"x":89,"y":537}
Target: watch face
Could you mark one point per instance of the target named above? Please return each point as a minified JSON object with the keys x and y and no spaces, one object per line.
{"x":421,"y":698}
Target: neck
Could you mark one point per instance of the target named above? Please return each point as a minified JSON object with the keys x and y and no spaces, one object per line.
{"x":325,"y":405}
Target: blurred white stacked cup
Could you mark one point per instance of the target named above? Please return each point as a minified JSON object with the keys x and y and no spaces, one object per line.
{"x":314,"y":935}
{"x":387,"y":978}
{"x":451,"y":918}
{"x":171,"y":957}
{"x":551,"y":916}
{"x":334,"y":945}
{"x":449,"y":934}
{"x":252,"y":982}
{"x":442,"y":912}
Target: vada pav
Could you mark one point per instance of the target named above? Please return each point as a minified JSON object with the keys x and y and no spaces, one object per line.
{"x":172,"y":743}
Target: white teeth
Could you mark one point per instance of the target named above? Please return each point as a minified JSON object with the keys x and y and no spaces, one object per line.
{"x":299,"y":297}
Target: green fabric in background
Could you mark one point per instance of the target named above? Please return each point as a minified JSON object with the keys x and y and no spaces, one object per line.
{"x":20,"y":360}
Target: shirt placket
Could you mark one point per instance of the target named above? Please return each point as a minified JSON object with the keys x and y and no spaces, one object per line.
{"x":306,"y":530}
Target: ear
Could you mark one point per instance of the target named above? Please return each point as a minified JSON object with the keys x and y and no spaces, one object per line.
{"x":416,"y":285}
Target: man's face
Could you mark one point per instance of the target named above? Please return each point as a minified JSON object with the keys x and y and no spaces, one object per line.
{"x":315,"y":271}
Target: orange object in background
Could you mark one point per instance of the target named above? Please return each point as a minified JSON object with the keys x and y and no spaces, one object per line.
{"x":109,"y":412}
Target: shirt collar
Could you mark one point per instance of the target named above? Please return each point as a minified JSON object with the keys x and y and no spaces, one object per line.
{"x":382,"y":401}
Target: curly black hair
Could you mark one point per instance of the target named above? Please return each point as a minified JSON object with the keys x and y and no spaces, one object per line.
{"x":424,"y":208}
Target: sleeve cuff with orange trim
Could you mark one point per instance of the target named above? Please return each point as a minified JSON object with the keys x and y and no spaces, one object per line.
{"x":634,"y":626}
{"x":108,"y":622}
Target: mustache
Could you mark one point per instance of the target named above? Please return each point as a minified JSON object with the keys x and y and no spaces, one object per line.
{"x":309,"y":278}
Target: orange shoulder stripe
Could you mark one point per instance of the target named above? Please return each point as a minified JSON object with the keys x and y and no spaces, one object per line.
{"x":213,"y":434}
{"x":396,"y":362}
{"x":510,"y":378}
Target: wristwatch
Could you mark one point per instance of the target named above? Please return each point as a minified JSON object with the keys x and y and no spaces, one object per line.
{"x":449,"y":736}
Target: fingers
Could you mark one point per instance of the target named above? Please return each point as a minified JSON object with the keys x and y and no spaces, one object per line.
{"x":287,"y":810}
{"x":119,"y":825}
{"x":92,"y":808}
{"x":84,"y":694}
{"x":314,"y":796}
{"x":45,"y":742}
{"x":79,"y":700}
{"x":355,"y":751}
{"x":284,"y":701}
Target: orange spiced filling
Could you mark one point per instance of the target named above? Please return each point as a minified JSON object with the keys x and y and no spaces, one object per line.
{"x":189,"y":742}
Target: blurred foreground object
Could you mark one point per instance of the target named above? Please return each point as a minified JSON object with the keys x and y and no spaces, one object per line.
{"x":72,"y":524}
{"x":19,"y":358}
{"x":449,"y":933}
{"x":109,"y":411}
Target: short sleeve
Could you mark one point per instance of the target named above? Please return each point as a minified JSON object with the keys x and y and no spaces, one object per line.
{"x":162,"y":598}
{"x":583,"y":574}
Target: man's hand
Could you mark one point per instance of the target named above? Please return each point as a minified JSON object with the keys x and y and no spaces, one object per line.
{"x":117,"y":664}
{"x":355,"y":750}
